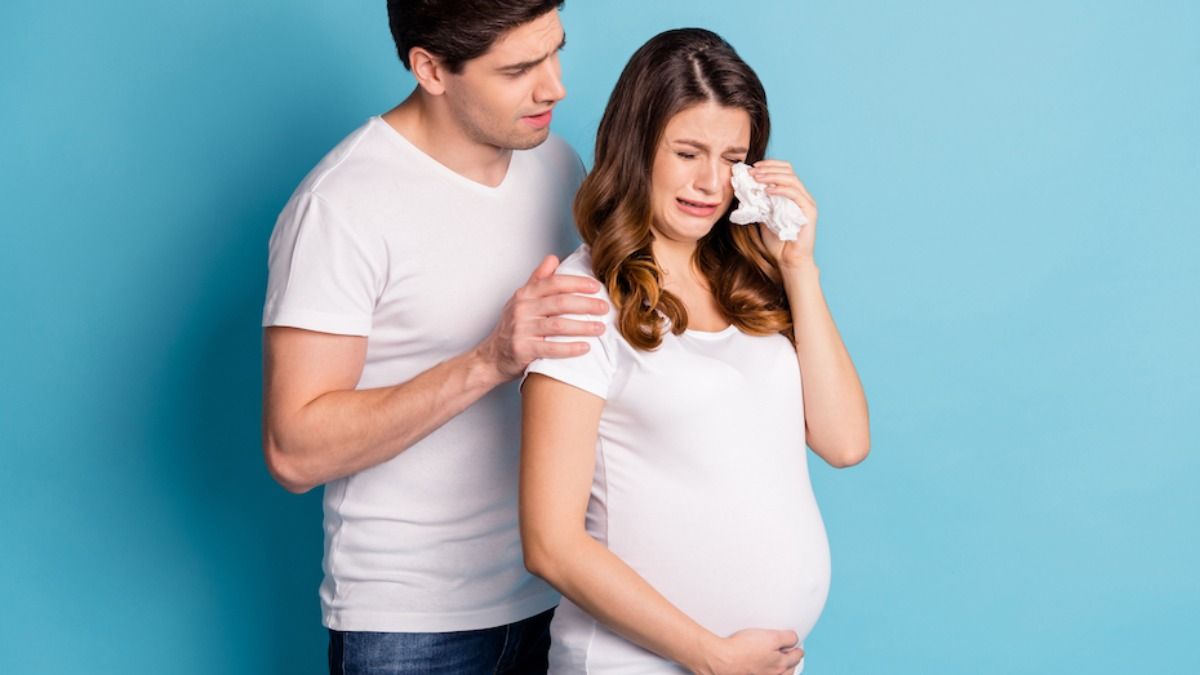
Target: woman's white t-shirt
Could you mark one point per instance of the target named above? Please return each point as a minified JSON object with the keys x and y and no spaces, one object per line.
{"x":701,"y":485}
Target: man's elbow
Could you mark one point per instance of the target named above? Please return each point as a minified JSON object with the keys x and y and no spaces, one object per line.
{"x":285,"y":468}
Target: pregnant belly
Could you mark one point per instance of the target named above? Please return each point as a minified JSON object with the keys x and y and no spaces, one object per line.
{"x":742,"y":559}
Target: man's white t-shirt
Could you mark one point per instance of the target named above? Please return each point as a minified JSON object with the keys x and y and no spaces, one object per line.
{"x":381,"y":240}
{"x":701,"y":485}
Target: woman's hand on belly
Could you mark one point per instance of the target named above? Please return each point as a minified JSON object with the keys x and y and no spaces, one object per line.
{"x":754,"y":650}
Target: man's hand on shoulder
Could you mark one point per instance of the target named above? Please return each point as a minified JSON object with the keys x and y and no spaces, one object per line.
{"x":319,"y":427}
{"x":535,"y":312}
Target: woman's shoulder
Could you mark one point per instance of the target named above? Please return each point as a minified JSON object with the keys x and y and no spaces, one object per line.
{"x":579,"y":263}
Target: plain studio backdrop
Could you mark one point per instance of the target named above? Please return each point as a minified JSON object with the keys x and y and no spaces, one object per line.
{"x":1010,"y":207}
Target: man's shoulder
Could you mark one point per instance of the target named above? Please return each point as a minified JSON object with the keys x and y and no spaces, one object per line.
{"x":557,"y":146}
{"x":557,"y":155}
{"x":363,"y":162}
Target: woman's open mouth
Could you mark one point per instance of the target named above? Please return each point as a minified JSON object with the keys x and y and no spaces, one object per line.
{"x":696,"y":208}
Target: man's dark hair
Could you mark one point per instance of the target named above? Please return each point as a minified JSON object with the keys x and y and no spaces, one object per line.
{"x":457,"y":31}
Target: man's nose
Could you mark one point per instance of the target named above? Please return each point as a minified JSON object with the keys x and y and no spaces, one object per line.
{"x":550,"y":87}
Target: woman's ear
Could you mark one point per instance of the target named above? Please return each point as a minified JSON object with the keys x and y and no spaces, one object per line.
{"x":429,"y":71}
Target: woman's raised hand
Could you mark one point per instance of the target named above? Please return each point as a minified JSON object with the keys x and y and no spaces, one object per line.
{"x":780,"y":179}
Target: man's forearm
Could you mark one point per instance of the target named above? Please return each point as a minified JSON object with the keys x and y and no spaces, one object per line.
{"x":343,"y":432}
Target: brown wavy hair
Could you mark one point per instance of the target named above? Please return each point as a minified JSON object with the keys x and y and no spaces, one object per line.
{"x":675,"y":70}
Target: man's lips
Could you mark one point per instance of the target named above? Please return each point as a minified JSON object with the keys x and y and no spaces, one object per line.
{"x":541,"y":119}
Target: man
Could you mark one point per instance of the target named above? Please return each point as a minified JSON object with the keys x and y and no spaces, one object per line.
{"x":391,"y":324}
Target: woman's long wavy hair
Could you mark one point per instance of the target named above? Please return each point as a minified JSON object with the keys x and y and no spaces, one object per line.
{"x":674,"y":71}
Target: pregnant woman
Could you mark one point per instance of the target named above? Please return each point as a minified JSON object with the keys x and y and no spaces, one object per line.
{"x":664,"y":478}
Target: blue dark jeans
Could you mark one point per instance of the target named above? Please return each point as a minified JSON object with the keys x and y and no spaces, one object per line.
{"x":519,"y":648}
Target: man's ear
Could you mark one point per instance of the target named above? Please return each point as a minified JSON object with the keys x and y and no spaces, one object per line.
{"x":429,"y":71}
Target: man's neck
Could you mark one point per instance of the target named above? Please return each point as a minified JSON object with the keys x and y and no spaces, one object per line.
{"x":426,"y":125}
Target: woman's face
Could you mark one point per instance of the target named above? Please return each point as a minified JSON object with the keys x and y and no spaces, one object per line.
{"x":689,"y":182}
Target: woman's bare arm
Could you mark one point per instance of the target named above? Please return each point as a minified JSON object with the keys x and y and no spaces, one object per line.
{"x":835,"y":407}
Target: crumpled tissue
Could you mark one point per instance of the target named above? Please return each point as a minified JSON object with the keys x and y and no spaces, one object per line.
{"x":780,"y":214}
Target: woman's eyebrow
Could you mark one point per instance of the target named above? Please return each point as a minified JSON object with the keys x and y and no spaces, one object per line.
{"x":701,"y":146}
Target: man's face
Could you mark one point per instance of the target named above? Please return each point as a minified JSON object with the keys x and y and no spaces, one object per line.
{"x":504,"y":97}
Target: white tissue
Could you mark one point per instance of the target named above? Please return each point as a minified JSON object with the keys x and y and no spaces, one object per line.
{"x":780,"y":214}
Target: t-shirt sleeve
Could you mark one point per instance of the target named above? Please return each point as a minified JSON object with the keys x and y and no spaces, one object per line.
{"x":322,"y":275}
{"x":580,"y":171}
{"x":592,"y":372}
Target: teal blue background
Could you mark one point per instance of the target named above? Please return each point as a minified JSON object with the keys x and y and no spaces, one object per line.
{"x":1010,"y":202}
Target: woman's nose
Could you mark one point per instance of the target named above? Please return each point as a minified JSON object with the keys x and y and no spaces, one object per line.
{"x":708,"y":177}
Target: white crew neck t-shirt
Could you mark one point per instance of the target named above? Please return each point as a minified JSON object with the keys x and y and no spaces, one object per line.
{"x":701,"y":485}
{"x":381,"y":240}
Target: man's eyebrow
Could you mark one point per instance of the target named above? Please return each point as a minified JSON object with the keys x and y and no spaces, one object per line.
{"x":525,"y":65}
{"x":700,"y":146}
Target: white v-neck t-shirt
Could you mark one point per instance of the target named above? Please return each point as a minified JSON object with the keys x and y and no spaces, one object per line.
{"x":701,"y":485}
{"x":383,"y":241}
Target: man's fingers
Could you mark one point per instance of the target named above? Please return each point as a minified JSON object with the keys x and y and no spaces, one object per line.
{"x":555,"y":326}
{"x":562,"y":303}
{"x":787,"y":639}
{"x":559,"y":350}
{"x":563,"y":283}
{"x":544,"y":269}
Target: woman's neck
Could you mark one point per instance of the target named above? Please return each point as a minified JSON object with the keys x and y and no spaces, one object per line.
{"x":675,"y":258}
{"x":688,"y":283}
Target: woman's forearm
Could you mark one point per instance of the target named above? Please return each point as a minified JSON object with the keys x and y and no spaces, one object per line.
{"x":835,"y":407}
{"x":604,"y":586}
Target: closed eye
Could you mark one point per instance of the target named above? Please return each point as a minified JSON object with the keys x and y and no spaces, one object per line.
{"x":686,"y":155}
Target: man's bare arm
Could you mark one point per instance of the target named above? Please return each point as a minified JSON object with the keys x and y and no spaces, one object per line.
{"x":317,"y":427}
